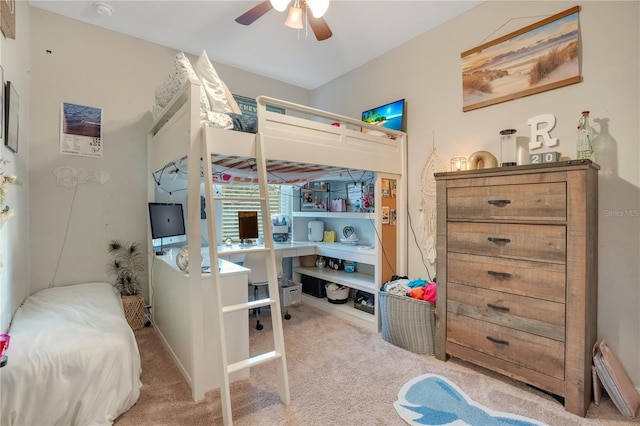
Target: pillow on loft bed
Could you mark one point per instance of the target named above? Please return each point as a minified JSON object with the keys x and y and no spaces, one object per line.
{"x":212,"y":84}
{"x":218,"y":108}
{"x":180,"y":72}
{"x":232,"y":102}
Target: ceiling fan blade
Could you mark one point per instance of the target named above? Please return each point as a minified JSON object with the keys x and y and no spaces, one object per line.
{"x":254,"y":13}
{"x":320,"y":27}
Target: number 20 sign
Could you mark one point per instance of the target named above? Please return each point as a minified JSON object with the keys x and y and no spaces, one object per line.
{"x":544,"y":157}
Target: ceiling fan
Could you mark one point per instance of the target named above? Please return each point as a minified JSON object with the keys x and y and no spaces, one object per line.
{"x":297,"y":9}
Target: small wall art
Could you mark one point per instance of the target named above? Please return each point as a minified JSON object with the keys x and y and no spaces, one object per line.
{"x":534,"y":59}
{"x":81,"y":130}
{"x":12,"y":110}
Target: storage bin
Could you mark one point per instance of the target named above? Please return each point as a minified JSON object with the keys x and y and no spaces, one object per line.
{"x":407,"y":323}
{"x":364,"y":301}
{"x":314,"y":286}
{"x":290,"y":294}
{"x":336,"y":293}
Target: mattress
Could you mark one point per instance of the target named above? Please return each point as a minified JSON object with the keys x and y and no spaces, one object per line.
{"x":73,"y":359}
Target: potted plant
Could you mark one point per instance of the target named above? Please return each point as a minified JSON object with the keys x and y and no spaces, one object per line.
{"x":127,"y":264}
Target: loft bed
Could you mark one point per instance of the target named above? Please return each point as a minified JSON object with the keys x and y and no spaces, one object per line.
{"x":303,"y":144}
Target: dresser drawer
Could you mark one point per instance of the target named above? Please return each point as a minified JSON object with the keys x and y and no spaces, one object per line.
{"x":524,"y":349}
{"x":542,"y":280}
{"x":528,"y":314}
{"x":541,"y":201}
{"x":542,"y":243}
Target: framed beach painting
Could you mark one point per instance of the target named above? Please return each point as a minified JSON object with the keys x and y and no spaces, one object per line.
{"x":534,"y":59}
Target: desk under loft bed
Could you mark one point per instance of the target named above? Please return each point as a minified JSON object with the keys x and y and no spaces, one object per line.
{"x":290,"y":141}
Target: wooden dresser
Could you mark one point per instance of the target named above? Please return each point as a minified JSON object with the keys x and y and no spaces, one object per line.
{"x":517,"y":273}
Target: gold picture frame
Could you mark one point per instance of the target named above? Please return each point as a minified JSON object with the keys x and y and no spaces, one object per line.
{"x":540,"y":57}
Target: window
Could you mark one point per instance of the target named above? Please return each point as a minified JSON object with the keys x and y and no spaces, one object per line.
{"x":279,"y":203}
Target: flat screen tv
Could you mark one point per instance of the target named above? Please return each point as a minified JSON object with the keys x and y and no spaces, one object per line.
{"x":167,"y":220}
{"x":390,"y":116}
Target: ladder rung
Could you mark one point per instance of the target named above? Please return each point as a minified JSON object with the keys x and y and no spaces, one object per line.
{"x":238,"y":198}
{"x":248,"y":305}
{"x":249,"y":249}
{"x":253,"y":361}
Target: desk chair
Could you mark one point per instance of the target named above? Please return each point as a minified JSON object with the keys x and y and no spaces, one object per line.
{"x":257,"y":262}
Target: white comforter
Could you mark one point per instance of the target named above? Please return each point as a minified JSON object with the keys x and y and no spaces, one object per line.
{"x":73,"y":359}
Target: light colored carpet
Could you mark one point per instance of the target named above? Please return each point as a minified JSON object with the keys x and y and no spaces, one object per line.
{"x":339,"y":374}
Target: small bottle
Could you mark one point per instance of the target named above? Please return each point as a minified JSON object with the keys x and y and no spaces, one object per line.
{"x":585,"y":141}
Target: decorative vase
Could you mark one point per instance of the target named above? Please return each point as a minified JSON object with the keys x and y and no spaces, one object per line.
{"x":508,"y":148}
{"x":585,"y":139}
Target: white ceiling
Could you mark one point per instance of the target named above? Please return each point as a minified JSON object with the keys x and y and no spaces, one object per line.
{"x":362,"y":31}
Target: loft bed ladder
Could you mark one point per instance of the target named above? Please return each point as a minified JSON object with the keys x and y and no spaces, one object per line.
{"x":273,"y":300}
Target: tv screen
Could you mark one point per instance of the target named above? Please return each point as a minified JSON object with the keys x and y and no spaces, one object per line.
{"x":390,"y":116}
{"x":167,"y":220}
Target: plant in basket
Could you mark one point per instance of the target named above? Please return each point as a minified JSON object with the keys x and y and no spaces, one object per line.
{"x":126,"y":265}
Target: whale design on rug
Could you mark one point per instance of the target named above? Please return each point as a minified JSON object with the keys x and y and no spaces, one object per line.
{"x":432,"y":400}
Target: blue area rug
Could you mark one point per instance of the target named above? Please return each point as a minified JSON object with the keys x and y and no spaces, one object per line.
{"x":433,"y":400}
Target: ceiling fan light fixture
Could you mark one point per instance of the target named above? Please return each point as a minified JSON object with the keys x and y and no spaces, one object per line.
{"x":279,"y":5}
{"x":294,"y":20}
{"x":318,"y":7}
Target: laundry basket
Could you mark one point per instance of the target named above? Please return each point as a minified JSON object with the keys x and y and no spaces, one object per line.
{"x":407,"y":323}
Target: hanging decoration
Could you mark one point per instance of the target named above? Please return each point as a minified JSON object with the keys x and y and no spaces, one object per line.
{"x":428,"y":203}
{"x":70,"y":177}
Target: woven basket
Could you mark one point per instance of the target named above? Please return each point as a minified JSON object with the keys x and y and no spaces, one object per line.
{"x":407,"y":323}
{"x":134,"y":311}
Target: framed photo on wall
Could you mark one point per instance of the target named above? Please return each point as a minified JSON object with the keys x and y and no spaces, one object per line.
{"x":11,"y":114}
{"x":540,"y":57}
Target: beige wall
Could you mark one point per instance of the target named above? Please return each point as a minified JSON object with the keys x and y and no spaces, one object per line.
{"x":14,"y":235}
{"x":426,"y":71}
{"x":95,"y":67}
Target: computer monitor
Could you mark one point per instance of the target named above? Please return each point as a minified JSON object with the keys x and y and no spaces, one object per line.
{"x":167,"y":220}
{"x":248,"y":226}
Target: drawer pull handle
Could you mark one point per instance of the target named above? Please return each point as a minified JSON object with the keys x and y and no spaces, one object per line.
{"x":499,"y":240}
{"x":502,"y":275}
{"x":499,"y":203}
{"x":498,"y":341}
{"x":497,"y":308}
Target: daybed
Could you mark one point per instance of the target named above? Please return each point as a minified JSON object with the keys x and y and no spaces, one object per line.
{"x":72,"y":359}
{"x":297,"y":146}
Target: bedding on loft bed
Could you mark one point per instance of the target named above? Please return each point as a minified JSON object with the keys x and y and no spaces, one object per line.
{"x":73,"y":359}
{"x":302,"y":145}
{"x":217,"y":106}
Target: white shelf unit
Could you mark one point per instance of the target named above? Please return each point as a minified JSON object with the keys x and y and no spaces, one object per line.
{"x":366,"y":257}
{"x":335,"y":215}
{"x":355,"y":280}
